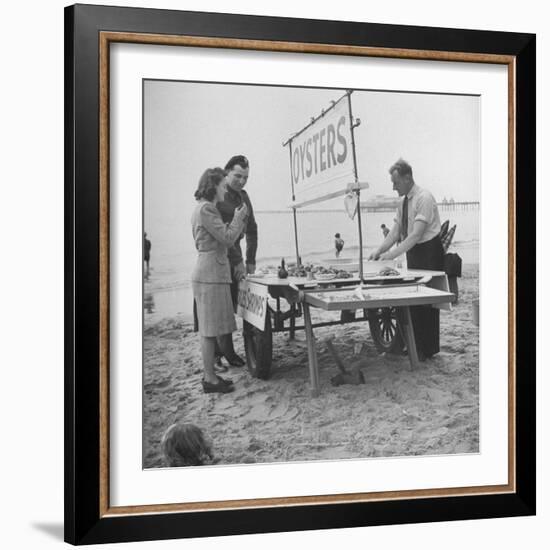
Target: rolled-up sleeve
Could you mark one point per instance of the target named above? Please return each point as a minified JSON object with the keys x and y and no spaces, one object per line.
{"x":425,"y":209}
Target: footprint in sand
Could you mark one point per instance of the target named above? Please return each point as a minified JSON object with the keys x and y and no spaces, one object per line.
{"x":161,"y":383}
{"x":266,"y":411}
{"x":221,"y":406}
{"x":258,"y":413}
{"x":280,"y":409}
{"x":255,"y":398}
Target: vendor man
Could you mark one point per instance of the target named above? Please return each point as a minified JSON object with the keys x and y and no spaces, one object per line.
{"x":417,"y":225}
{"x":237,"y":177}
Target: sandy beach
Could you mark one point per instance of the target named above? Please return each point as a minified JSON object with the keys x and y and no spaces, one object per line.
{"x":397,"y":412}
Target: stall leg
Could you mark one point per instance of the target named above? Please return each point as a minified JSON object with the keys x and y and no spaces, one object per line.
{"x":409,"y":337}
{"x":292,"y":332}
{"x":312,"y":354}
{"x":278,"y":320}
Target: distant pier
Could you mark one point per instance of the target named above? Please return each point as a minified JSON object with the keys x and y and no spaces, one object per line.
{"x":458,"y":205}
{"x":443,"y":206}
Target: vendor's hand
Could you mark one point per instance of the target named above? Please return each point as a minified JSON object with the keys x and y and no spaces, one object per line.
{"x":374,"y":255}
{"x":386,"y":256}
{"x":250,"y":268}
{"x":239,"y":272}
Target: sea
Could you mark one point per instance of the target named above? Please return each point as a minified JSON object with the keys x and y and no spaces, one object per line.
{"x":167,"y":292}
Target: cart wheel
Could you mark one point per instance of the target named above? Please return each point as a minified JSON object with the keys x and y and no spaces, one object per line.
{"x":383,"y":324}
{"x":258,"y":346}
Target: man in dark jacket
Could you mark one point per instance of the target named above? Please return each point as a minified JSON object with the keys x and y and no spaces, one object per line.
{"x":237,"y":177}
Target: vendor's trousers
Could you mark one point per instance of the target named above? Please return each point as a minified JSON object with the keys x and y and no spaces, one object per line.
{"x":425,"y":319}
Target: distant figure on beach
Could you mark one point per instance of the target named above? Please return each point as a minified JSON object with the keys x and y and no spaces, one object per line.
{"x":146,"y":254}
{"x":149,"y":303}
{"x":185,"y":444}
{"x":417,"y":223}
{"x":385,"y":230}
{"x":237,"y":169}
{"x":338,"y":244}
{"x":211,"y":276}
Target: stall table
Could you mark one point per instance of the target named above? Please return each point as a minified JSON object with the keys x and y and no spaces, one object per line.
{"x":393,"y":293}
{"x":369,"y":297}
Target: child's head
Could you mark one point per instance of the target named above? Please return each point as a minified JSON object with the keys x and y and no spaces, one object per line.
{"x":337,"y":236}
{"x":184,"y":444}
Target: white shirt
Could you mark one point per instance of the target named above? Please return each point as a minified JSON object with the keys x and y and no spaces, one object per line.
{"x":421,"y":206}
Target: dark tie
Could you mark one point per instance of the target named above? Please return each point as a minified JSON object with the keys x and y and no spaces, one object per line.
{"x":405,"y":217}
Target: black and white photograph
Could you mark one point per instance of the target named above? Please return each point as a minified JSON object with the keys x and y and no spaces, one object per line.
{"x":310,"y":273}
{"x":205,"y":192}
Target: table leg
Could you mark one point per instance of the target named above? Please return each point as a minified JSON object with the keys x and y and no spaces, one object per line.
{"x":409,"y":336}
{"x":292,"y":333}
{"x":311,"y":352}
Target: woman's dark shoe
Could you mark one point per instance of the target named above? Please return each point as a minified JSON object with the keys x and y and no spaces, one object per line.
{"x":226,"y":381}
{"x":220,"y":387}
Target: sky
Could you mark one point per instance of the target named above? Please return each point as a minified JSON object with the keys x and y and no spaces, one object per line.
{"x":189,"y":127}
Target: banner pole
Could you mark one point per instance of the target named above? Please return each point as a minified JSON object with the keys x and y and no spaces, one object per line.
{"x":357,"y":191}
{"x":298,"y":262}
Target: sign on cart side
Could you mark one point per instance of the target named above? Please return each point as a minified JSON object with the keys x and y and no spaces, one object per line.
{"x":252,"y":303}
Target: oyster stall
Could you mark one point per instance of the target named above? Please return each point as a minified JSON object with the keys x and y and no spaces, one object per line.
{"x":377,"y":292}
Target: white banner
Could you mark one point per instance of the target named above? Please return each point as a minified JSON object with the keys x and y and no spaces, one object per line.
{"x":322,"y":156}
{"x":252,"y":303}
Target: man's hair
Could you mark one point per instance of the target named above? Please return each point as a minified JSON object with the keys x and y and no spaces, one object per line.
{"x":208,"y":184}
{"x":241,"y":160}
{"x":403,"y":168}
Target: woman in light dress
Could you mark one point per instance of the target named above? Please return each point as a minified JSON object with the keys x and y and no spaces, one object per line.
{"x":211,"y":277}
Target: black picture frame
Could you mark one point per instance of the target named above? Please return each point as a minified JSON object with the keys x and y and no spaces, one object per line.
{"x":87,"y":519}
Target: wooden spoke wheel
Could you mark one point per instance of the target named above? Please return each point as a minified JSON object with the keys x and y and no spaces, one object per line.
{"x":385,"y":330}
{"x":258,"y":346}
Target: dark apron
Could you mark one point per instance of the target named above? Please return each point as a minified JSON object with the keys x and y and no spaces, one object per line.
{"x":428,"y":255}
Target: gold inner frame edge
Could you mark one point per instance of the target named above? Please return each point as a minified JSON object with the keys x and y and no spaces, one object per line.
{"x":105,"y":39}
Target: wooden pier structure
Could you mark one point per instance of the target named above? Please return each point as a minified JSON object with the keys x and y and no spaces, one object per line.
{"x":443,"y":207}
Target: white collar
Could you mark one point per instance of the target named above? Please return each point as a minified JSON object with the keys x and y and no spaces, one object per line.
{"x":412,"y":192}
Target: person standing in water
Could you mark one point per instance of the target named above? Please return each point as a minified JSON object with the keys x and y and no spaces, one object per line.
{"x":338,"y":244}
{"x":146,"y":254}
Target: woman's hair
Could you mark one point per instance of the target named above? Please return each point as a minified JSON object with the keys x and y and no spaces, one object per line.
{"x":208,"y":184}
{"x":185,"y":445}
